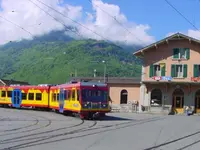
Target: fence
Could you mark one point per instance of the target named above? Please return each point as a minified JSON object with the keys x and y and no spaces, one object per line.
{"x":124,"y":108}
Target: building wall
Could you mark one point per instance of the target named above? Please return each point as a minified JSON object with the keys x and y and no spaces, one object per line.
{"x":167,"y":95}
{"x":164,"y":54}
{"x":132,"y":89}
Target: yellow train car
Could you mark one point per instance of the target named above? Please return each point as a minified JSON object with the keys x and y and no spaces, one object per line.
{"x":65,"y":98}
{"x":5,"y":96}
{"x":25,"y":96}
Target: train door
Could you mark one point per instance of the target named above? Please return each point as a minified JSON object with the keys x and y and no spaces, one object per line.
{"x":61,"y":100}
{"x":16,"y":98}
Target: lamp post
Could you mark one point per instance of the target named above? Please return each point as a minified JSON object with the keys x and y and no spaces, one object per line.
{"x":104,"y":76}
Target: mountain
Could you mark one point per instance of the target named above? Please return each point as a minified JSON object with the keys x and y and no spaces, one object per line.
{"x":54,"y":57}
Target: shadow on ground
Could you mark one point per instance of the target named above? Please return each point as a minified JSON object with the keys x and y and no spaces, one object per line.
{"x":114,"y":118}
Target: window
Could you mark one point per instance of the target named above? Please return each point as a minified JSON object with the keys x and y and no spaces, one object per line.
{"x":69,"y":95}
{"x":9,"y":93}
{"x":156,"y":98}
{"x":157,"y":70}
{"x":181,"y":53}
{"x":93,"y":95}
{"x":38,"y":97}
{"x":196,"y":71}
{"x":54,"y":97}
{"x":179,"y":71}
{"x":30,"y":96}
{"x":73,"y":94}
{"x":24,"y":96}
{"x":3,"y":93}
{"x":78,"y":95}
{"x":58,"y":97}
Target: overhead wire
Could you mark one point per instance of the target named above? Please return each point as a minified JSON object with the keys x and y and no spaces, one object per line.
{"x":170,"y":4}
{"x":17,"y":25}
{"x":76,"y":22}
{"x":67,"y":18}
{"x":117,"y":21}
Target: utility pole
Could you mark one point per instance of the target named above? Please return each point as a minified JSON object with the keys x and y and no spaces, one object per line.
{"x":104,"y":77}
{"x":95,"y":71}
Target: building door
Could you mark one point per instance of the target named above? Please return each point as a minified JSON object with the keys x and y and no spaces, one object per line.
{"x":178,"y":101}
{"x":124,"y":97}
{"x":197,"y":101}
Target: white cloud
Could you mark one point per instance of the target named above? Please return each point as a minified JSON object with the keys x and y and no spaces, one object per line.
{"x":33,"y":19}
{"x":110,"y":29}
{"x":190,"y":32}
{"x":170,"y":33}
{"x":194,"y":34}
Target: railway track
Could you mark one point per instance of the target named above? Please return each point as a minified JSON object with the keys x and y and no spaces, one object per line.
{"x":86,"y":131}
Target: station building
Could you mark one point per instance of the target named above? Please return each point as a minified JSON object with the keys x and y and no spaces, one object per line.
{"x":170,"y":74}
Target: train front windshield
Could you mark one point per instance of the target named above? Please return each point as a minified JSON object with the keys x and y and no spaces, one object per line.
{"x":94,"y":95}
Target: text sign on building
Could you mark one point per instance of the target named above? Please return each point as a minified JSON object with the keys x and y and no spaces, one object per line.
{"x":195,"y":79}
{"x":163,"y":78}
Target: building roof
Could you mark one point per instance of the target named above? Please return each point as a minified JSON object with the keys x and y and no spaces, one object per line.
{"x":176,"y":36}
{"x":10,"y":82}
{"x":113,"y":80}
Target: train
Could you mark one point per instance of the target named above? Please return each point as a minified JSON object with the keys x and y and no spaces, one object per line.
{"x":86,"y":100}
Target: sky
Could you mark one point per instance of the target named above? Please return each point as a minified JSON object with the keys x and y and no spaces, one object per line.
{"x":133,"y":22}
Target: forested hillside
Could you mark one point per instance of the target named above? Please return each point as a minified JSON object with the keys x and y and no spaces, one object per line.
{"x":52,"y":58}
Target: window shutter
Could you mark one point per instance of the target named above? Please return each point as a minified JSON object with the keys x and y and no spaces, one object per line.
{"x":175,"y":53}
{"x":195,"y":71}
{"x":187,"y":53}
{"x":185,"y":71}
{"x":151,"y":71}
{"x":163,"y":70}
{"x":173,"y":70}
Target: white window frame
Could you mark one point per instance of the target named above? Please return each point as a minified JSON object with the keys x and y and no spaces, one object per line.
{"x":179,"y":54}
{"x":178,"y":73}
{"x":157,"y":70}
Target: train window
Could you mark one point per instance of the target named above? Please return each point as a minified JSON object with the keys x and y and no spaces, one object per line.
{"x":38,"y":96}
{"x":30,"y":96}
{"x":83,"y":93}
{"x":9,"y":93}
{"x":69,"y":95}
{"x":105,"y":96}
{"x":24,"y":96}
{"x":99,"y":93}
{"x":58,"y":97}
{"x":3,"y":93}
{"x":54,"y":97}
{"x":89,"y":93}
{"x":73,"y":94}
{"x":78,"y":95}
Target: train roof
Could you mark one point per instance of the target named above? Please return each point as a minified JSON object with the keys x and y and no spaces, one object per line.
{"x":25,"y":87}
{"x":81,"y":84}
